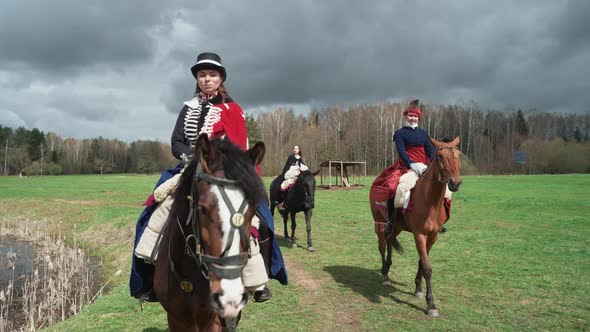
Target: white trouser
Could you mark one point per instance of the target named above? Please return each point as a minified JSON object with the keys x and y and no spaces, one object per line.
{"x":148,"y":239}
{"x":254,"y":275}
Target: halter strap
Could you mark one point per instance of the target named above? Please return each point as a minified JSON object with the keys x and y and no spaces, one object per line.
{"x":224,"y":266}
{"x":441,"y":178}
{"x":234,"y":222}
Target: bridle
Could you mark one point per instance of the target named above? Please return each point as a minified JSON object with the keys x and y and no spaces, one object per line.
{"x":304,"y":185}
{"x":224,"y":266}
{"x":441,"y":177}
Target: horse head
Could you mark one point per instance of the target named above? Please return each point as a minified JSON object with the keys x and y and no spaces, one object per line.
{"x":307,"y":181}
{"x":448,"y":161}
{"x":225,"y":191}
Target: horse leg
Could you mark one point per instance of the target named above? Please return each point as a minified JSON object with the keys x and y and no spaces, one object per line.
{"x":308,"y":213}
{"x":387,"y":263}
{"x":423,"y":243}
{"x":285,"y":230}
{"x":418,"y":292}
{"x":293,"y":226}
{"x":384,"y":265}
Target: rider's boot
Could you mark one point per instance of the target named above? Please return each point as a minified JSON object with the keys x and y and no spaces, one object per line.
{"x":390,"y":217}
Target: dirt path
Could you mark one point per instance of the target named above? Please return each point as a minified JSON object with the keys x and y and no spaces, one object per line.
{"x":336,"y":315}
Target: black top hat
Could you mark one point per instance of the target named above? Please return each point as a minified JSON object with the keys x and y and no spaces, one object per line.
{"x":209,"y":60}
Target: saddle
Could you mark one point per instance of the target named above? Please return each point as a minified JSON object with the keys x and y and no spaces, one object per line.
{"x":401,"y":198}
{"x":396,"y":206}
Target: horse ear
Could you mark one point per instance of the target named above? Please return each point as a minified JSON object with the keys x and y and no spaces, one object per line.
{"x":256,"y":153}
{"x":317,"y":172}
{"x":456,"y":141}
{"x":203,"y":150}
{"x":434,"y":141}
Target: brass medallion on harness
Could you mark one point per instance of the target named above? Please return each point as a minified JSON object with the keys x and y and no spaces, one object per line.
{"x":186,"y":286}
{"x":237,"y":219}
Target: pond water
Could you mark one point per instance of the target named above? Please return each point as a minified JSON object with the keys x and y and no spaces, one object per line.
{"x":23,"y":264}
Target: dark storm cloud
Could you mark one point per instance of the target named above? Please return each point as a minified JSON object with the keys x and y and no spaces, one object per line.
{"x":58,"y":35}
{"x":496,"y":53}
{"x":126,"y":65}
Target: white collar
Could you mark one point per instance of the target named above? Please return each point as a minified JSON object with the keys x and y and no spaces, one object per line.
{"x":406,"y":124}
{"x":193,"y":103}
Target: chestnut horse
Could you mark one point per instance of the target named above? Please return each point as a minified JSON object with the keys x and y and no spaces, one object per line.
{"x":204,"y":246}
{"x":426,"y":217}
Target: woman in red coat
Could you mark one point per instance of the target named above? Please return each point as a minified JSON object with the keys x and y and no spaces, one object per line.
{"x":213,"y":112}
{"x":415,"y":151}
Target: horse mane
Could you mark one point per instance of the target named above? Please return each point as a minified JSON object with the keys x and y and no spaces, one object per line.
{"x":306,"y":175}
{"x":236,"y":166}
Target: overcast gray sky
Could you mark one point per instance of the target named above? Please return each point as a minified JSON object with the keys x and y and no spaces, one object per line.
{"x":122,"y":68}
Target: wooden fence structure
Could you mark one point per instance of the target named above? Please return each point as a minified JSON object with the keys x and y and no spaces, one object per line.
{"x":345,"y":171}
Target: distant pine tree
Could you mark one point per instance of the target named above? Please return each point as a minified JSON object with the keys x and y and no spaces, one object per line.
{"x":578,"y":135}
{"x":521,"y":125}
{"x":253,"y":131}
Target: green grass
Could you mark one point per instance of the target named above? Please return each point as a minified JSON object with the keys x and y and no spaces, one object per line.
{"x":515,"y":257}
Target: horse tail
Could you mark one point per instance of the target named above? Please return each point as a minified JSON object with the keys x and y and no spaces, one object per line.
{"x":397,"y":246}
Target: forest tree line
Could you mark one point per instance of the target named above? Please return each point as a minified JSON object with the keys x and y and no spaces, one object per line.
{"x":492,"y":142}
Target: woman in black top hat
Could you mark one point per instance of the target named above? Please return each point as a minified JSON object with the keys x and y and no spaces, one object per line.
{"x":211,"y":112}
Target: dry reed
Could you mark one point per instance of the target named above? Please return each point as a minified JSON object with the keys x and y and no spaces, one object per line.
{"x":60,"y":286}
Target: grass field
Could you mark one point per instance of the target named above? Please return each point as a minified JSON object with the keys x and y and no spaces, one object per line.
{"x":515,"y":258}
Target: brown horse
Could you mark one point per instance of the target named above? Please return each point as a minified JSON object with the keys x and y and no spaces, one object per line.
{"x":426,"y":217}
{"x":205,"y":244}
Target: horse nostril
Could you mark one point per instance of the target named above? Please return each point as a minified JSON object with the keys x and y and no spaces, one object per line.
{"x":216,"y":300}
{"x":454,"y":185}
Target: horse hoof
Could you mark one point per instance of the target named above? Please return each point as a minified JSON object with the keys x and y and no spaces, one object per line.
{"x":310,"y":249}
{"x":293,"y":245}
{"x":433,"y":313}
{"x":419,"y":295}
{"x":386,"y":282}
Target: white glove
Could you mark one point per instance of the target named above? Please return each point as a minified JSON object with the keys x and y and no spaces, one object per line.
{"x":186,"y":159}
{"x":418,"y":168}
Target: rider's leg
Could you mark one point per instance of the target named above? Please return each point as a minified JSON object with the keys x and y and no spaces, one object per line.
{"x":281,"y":204}
{"x":254,"y":275}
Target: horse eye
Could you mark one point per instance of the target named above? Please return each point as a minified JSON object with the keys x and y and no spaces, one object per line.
{"x":204,"y":210}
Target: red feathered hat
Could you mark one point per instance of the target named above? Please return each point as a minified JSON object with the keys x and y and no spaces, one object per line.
{"x":414,"y":109}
